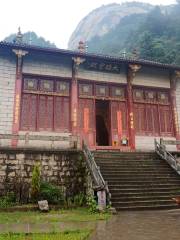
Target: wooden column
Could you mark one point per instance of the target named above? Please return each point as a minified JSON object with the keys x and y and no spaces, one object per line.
{"x":173,"y":79}
{"x":74,"y":94}
{"x":132,"y":70}
{"x":17,"y":96}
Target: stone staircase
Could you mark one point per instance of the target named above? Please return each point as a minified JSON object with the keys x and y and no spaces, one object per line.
{"x":139,"y":181}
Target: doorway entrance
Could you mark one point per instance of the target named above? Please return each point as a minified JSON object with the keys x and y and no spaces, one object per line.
{"x":102,"y":123}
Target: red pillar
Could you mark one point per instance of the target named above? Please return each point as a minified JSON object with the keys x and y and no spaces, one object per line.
{"x":74,"y":94}
{"x":132,"y":69}
{"x":17,"y":95}
{"x":173,"y":79}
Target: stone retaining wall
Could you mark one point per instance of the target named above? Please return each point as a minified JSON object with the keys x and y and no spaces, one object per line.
{"x":64,"y":168}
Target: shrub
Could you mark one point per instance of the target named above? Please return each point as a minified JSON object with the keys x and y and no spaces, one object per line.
{"x":8,"y":200}
{"x":91,"y":203}
{"x":52,"y":193}
{"x":79,"y":200}
{"x":35,"y":183}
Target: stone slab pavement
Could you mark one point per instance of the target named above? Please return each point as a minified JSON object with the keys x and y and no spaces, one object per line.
{"x":145,"y":225}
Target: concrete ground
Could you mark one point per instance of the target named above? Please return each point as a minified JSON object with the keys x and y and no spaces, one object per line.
{"x":144,"y":225}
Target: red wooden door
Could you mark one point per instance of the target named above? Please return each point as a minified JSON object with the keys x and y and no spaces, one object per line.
{"x":166,"y":120}
{"x":118,"y":122}
{"x":152,"y":120}
{"x":86,"y":120}
{"x":45,"y":113}
{"x":28,"y":112}
{"x":140,"y":118}
{"x":61,"y":114}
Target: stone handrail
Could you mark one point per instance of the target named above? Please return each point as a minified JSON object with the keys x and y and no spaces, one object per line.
{"x":160,"y":149}
{"x":93,"y":168}
{"x":99,"y":182}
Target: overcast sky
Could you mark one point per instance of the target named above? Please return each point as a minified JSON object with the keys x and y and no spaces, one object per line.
{"x":53,"y":19}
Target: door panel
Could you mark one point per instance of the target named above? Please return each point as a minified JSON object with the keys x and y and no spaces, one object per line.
{"x":61,"y":114}
{"x":152,"y":121}
{"x":118,"y":122}
{"x":86,"y":120}
{"x":166,"y":120}
{"x":28,"y":112}
{"x":45,"y":113}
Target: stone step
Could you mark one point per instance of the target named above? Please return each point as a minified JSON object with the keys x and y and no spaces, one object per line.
{"x":130,"y":165}
{"x":141,"y":159}
{"x":137,"y":173}
{"x":130,"y":162}
{"x":150,"y":207}
{"x":142,"y":203}
{"x":137,"y":169}
{"x":142,"y":182}
{"x":139,"y":181}
{"x":127,"y":159}
{"x":125,"y":186}
{"x":145,"y":192}
{"x":143,"y":198}
{"x":140,"y":176}
{"x":125,"y":155}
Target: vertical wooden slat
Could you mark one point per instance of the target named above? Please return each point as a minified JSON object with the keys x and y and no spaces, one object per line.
{"x":119,"y":122}
{"x":86,"y":120}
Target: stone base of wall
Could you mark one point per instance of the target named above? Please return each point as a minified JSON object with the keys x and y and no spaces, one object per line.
{"x":63,"y":168}
{"x":146,"y":143}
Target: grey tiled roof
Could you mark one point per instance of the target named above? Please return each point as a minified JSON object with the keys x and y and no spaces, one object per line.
{"x":96,"y":56}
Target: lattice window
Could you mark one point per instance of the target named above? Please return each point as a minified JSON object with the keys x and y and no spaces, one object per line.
{"x":43,"y":110}
{"x":102,"y":91}
{"x":46,"y":85}
{"x":62,"y":88}
{"x":118,"y":92}
{"x":30,"y":84}
{"x":151,"y":96}
{"x":138,"y":95}
{"x":163,"y":97}
{"x":85,"y":89}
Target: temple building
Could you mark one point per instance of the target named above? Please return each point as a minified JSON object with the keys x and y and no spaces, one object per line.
{"x":110,"y":102}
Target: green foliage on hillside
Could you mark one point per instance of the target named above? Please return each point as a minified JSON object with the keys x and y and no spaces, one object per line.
{"x":32,"y":39}
{"x":155,"y":35}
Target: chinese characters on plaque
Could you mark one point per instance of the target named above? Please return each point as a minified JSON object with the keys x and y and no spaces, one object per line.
{"x":104,"y":67}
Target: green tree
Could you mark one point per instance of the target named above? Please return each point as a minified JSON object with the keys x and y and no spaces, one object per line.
{"x":33,"y":39}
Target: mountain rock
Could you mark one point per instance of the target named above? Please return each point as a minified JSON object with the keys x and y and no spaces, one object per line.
{"x":103,"y":19}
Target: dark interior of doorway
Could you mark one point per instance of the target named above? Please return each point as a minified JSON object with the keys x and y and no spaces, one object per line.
{"x":102,"y":123}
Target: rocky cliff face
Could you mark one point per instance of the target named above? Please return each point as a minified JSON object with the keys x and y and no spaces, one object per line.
{"x":101,"y":20}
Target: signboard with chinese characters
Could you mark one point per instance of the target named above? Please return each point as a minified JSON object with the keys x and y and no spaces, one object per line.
{"x":102,"y":66}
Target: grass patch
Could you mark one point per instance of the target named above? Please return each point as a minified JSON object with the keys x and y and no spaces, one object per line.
{"x":72,"y":215}
{"x":68,"y":235}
